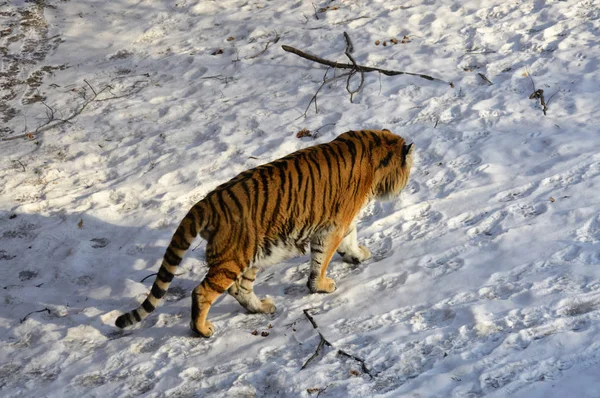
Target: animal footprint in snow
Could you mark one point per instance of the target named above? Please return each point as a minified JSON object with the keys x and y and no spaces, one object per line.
{"x":528,"y":210}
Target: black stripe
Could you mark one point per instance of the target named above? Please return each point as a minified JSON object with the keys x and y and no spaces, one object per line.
{"x":137,"y":316}
{"x":339,"y":170}
{"x":352,"y":150}
{"x":193,"y":224}
{"x":147,"y":305}
{"x":313,"y":156}
{"x":265,"y":181}
{"x":385,"y":161}
{"x":213,"y":210}
{"x":123,"y":321}
{"x":213,"y":286}
{"x":248,"y":279}
{"x":226,"y":272}
{"x":340,"y":152}
{"x":391,"y":141}
{"x":223,"y":206}
{"x":164,"y":275}
{"x":315,"y":250}
{"x":171,"y":257}
{"x":157,"y":291}
{"x":376,"y":139}
{"x":178,"y":241}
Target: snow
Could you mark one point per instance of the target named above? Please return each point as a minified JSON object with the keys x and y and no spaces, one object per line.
{"x":485,"y":277}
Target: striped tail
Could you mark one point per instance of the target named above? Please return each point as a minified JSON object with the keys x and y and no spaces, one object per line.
{"x":188,"y":229}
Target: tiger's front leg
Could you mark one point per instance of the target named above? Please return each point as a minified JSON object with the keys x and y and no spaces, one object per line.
{"x":322,"y":249}
{"x":350,"y":250}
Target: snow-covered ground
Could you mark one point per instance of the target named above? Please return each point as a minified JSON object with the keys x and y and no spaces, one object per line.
{"x":485,"y":279}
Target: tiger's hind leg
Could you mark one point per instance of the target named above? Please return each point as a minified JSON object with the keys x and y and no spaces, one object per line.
{"x":243,"y":291}
{"x":350,"y":250}
{"x":322,"y":249}
{"x":217,"y":281}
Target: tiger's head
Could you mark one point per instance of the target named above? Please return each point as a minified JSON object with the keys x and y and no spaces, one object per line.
{"x":392,"y":159}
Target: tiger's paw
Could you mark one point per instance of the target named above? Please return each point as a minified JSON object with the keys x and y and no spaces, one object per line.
{"x":357,"y":258}
{"x":326,"y":285}
{"x":267,"y":306}
{"x":205,"y":330}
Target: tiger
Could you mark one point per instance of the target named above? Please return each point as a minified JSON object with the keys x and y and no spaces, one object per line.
{"x":264,"y":215}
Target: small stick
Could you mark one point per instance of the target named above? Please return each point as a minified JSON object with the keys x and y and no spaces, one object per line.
{"x":33,"y":312}
{"x":90,"y":86}
{"x":485,"y":79}
{"x":325,"y":81}
{"x":275,"y":40}
{"x":317,"y":352}
{"x":324,"y":341}
{"x":349,"y":49}
{"x":310,"y":318}
{"x":156,"y":273}
{"x":539,"y":94}
{"x":363,"y":366}
{"x":339,"y":65}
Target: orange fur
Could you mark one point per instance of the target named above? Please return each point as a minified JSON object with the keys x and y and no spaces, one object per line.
{"x":311,"y":196}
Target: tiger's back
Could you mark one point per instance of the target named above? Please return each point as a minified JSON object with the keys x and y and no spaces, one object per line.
{"x":276,"y":210}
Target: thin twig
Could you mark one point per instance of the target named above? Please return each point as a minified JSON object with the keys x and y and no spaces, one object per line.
{"x":539,"y":94}
{"x":350,"y":49}
{"x":316,"y":133}
{"x":275,"y":40}
{"x":33,"y":312}
{"x":485,"y":79}
{"x":552,"y":96}
{"x":351,"y":20}
{"x":156,"y":273}
{"x":90,"y":86}
{"x":325,"y":82}
{"x":339,"y":65}
{"x":310,"y":318}
{"x":52,"y":122}
{"x":317,"y":352}
{"x":323,"y":341}
{"x":363,"y":366}
{"x":21,"y":164}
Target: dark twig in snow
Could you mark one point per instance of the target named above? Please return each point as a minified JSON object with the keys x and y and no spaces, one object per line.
{"x":539,"y":94}
{"x":154,"y":274}
{"x":33,"y":312}
{"x":349,"y":50}
{"x":323,"y":341}
{"x":325,"y":81}
{"x":339,"y":65}
{"x":275,"y":40}
{"x":54,"y":122}
{"x":485,"y":79}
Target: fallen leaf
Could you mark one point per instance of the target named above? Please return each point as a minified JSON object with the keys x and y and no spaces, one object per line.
{"x":230,"y":38}
{"x":254,"y":333}
{"x":304,"y":133}
{"x":552,"y":199}
{"x":217,"y":52}
{"x":80,"y":223}
{"x":377,"y":42}
{"x":395,"y":41}
{"x":354,"y":372}
{"x":264,"y":333}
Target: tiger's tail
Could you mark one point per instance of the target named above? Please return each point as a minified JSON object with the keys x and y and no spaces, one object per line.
{"x":188,"y":229}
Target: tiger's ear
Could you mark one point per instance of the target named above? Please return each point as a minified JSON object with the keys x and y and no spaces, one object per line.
{"x":407,"y":150}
